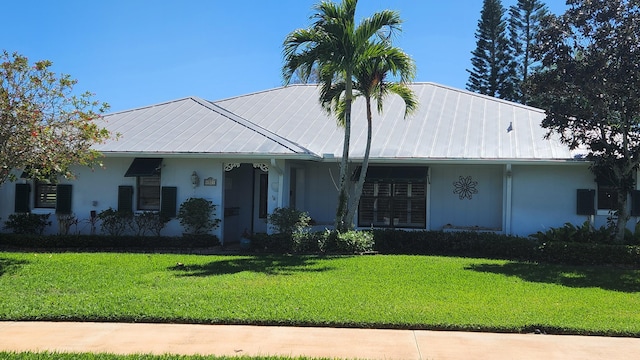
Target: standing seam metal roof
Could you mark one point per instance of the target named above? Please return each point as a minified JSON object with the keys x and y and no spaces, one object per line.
{"x":449,"y":124}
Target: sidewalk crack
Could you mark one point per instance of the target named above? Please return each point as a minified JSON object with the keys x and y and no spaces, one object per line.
{"x":417,"y":346}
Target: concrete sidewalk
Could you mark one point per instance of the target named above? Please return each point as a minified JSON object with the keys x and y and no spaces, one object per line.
{"x":237,"y":340}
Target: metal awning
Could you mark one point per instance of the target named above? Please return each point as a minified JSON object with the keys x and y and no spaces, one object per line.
{"x":144,"y":167}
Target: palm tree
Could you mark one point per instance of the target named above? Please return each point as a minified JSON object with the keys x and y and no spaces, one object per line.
{"x":370,"y":82}
{"x":335,"y":45}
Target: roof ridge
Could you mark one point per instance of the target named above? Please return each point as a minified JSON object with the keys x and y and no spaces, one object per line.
{"x":152,"y":105}
{"x":253,"y":126}
{"x":487,"y":97}
{"x":262,"y":92}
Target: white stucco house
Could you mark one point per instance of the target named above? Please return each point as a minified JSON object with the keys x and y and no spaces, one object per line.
{"x":463,"y":161}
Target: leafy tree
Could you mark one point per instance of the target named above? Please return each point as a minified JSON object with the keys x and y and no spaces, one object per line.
{"x":590,"y":88}
{"x":335,"y":45}
{"x":524,"y":24}
{"x":493,"y":71}
{"x":44,"y":127}
{"x":370,"y":82}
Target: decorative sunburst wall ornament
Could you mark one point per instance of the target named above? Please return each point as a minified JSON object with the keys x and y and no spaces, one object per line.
{"x":465,"y":187}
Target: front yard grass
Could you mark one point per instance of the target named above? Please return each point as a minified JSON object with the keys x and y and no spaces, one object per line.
{"x":425,"y":292}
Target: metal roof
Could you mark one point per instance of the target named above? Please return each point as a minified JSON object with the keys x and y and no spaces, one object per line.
{"x":192,"y":126}
{"x":450,"y":124}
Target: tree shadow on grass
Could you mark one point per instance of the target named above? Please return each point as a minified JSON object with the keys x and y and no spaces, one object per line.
{"x":607,"y":278}
{"x":10,"y":266}
{"x":270,"y":265}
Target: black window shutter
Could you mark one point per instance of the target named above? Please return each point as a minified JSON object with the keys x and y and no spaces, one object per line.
{"x":168,"y":201}
{"x":22,"y":198}
{"x":635,"y":203}
{"x":125,"y":198}
{"x":63,"y":199}
{"x":586,"y":202}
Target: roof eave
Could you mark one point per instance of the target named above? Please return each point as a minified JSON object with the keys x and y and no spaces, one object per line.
{"x":186,"y":155}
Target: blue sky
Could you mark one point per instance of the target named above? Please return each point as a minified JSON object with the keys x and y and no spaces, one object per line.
{"x":133,"y":53}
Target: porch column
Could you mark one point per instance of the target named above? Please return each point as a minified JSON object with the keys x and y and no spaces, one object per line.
{"x":276,"y":187}
{"x":508,"y":188}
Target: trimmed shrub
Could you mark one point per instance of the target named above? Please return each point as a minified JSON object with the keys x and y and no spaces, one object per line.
{"x":354,"y":242}
{"x":196,"y":216}
{"x":114,"y":222}
{"x":310,"y":242}
{"x":574,"y":253}
{"x":149,"y":221}
{"x":107,"y":242}
{"x":27,"y":223}
{"x":275,"y":243}
{"x":289,"y":220}
{"x":471,"y":244}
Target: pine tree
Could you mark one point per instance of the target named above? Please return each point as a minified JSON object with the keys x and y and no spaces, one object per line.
{"x":524,"y":26}
{"x":494,"y":69}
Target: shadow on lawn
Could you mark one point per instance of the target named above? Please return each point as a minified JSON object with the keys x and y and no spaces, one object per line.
{"x":271,"y":265}
{"x":607,"y":278}
{"x":10,"y":266}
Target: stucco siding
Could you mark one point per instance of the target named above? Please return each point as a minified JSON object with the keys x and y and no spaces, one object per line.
{"x":320,"y":192}
{"x":480,"y":206}
{"x":545,"y":196}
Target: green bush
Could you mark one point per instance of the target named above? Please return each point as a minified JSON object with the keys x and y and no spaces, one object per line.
{"x":27,"y":223}
{"x":274,"y":243}
{"x":114,"y":222}
{"x":574,"y":253}
{"x":65,"y":221}
{"x":196,"y":216}
{"x":311,"y":242}
{"x":107,"y":242}
{"x":354,"y":242}
{"x":585,"y":233}
{"x":149,"y":221}
{"x":289,"y":220}
{"x":470,"y":244}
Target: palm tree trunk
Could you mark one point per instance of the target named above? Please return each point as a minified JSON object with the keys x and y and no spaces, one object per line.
{"x":365,"y":165}
{"x":343,"y":195}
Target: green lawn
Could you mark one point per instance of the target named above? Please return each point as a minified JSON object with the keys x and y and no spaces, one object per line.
{"x":367,"y":291}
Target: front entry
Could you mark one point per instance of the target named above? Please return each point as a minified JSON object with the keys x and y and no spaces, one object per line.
{"x":245,"y":199}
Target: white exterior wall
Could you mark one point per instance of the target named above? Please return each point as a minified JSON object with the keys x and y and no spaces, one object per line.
{"x":533,"y":198}
{"x":98,"y":190}
{"x":545,"y":196}
{"x":483,"y":210}
{"x":319,"y":195}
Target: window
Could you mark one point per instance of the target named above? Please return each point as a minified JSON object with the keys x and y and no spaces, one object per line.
{"x":607,"y":197}
{"x":147,"y":174}
{"x":45,"y":196}
{"x":149,"y":192}
{"x":394,"y":198}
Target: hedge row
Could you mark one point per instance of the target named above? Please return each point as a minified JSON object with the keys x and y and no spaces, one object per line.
{"x":105,"y":242}
{"x":490,"y":245}
{"x":472,"y":244}
{"x":466,"y":244}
